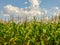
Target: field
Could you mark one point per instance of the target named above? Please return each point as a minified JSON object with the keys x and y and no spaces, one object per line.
{"x":30,"y":33}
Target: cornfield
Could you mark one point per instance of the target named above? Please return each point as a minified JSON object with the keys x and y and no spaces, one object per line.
{"x":30,"y":33}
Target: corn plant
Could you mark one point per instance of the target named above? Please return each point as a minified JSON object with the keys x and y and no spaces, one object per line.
{"x":30,"y":33}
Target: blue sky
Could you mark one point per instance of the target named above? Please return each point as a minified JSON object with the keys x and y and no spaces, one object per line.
{"x":49,"y":5}
{"x":20,"y":3}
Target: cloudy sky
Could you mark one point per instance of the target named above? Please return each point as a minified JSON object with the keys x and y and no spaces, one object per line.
{"x":14,"y":7}
{"x":21,"y":3}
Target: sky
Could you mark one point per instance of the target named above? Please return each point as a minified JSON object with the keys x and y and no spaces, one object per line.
{"x":39,"y":5}
{"x":20,"y":3}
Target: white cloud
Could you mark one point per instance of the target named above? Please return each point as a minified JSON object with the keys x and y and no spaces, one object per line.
{"x":25,"y":2}
{"x":35,"y":4}
{"x":26,"y":7}
{"x":23,"y":12}
{"x":57,"y":8}
{"x":6,"y":15}
{"x":10,"y":8}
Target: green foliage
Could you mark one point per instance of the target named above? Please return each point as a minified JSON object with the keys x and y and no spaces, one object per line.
{"x":30,"y":33}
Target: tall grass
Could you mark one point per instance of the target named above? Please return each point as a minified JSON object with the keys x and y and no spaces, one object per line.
{"x":30,"y":33}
